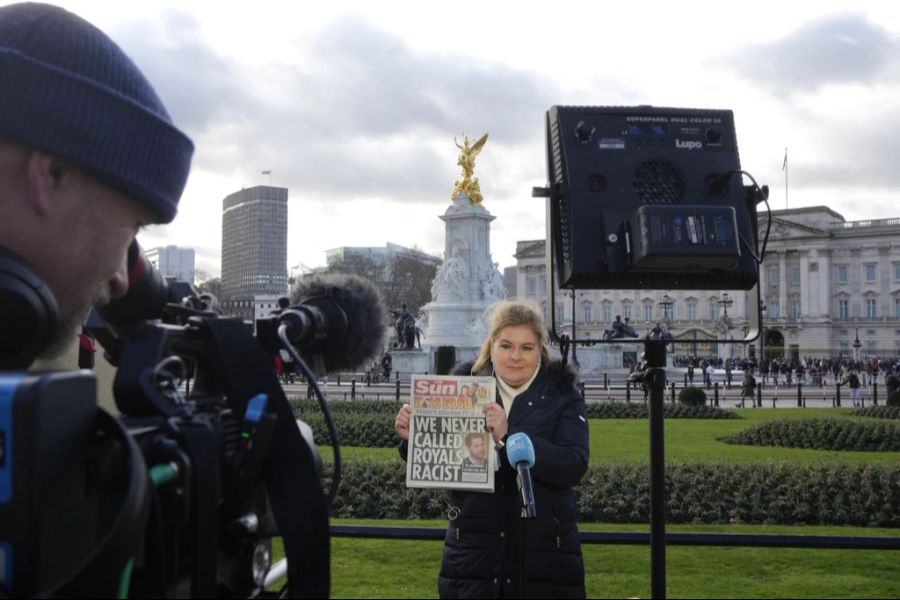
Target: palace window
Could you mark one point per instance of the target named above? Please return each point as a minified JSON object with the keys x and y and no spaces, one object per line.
{"x":842,"y":274}
{"x":870,"y":272}
{"x":843,"y":308}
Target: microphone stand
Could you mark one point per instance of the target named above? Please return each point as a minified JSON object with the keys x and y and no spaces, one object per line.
{"x":523,"y":519}
{"x":655,"y":377}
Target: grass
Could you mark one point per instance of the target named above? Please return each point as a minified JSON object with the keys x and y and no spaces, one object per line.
{"x":694,"y":440}
{"x":372,"y":568}
{"x":686,"y":440}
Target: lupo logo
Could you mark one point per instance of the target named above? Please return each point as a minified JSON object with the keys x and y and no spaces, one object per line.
{"x":688,"y":145}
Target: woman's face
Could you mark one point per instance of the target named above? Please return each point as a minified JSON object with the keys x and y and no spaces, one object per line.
{"x":515,"y":354}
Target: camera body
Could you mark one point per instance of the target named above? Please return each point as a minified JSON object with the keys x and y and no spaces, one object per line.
{"x":180,"y":494}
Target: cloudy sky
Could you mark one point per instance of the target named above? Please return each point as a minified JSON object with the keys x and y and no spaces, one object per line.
{"x":354,"y":105}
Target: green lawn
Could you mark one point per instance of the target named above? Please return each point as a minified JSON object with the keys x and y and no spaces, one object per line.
{"x":371,"y":568}
{"x":686,"y":440}
{"x":694,"y":440}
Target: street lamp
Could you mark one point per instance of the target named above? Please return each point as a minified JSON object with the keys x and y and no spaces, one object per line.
{"x":725,"y":301}
{"x":762,"y":333}
{"x":725,"y":324}
{"x":666,"y":303}
{"x":574,"y":318}
{"x":856,"y":346}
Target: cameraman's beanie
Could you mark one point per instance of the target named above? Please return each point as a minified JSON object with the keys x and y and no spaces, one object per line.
{"x":69,"y":90}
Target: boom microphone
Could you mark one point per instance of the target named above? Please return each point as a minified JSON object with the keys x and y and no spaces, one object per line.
{"x":520,"y":452}
{"x":338,"y":317}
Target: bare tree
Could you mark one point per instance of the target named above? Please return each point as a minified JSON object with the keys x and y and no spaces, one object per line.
{"x":404,"y":278}
{"x":409,"y":281}
{"x":207,"y":284}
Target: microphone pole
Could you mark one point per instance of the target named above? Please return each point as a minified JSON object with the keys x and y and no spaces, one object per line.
{"x":520,"y":452}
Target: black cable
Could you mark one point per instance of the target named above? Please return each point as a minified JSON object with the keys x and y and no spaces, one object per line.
{"x":765,"y":197}
{"x":723,"y":180}
{"x":329,"y":422}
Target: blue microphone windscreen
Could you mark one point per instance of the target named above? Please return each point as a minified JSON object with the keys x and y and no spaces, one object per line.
{"x":520,"y":449}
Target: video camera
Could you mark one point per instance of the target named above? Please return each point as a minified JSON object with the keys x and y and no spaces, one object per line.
{"x":181,"y":494}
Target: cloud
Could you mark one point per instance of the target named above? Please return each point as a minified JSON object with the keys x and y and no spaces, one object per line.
{"x":356,"y":113}
{"x":198,"y":86}
{"x":844,"y":48}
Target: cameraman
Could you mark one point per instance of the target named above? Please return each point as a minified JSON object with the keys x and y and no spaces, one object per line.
{"x":88,"y":156}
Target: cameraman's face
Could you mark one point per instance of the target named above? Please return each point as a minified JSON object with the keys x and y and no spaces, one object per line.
{"x":88,"y":266}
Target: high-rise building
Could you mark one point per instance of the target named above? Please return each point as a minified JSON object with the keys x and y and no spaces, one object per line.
{"x":254,"y":247}
{"x":173,"y":261}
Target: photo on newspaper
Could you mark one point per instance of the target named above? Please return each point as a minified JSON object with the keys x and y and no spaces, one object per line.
{"x":449,"y":445}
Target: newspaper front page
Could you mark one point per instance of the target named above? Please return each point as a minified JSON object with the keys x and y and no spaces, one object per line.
{"x":449,"y":445}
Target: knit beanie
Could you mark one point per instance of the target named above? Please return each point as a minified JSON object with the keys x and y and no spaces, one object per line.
{"x":68,"y":89}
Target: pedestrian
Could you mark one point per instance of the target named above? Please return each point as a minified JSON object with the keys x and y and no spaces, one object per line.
{"x":748,"y":387}
{"x":852,"y":381}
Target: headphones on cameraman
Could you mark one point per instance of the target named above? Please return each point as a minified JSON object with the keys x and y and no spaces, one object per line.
{"x":29,"y":315}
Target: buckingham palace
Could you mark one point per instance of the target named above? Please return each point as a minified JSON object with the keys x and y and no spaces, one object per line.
{"x":829,"y":286}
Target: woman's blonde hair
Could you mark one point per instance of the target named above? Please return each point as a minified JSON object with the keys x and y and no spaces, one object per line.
{"x":511,"y":313}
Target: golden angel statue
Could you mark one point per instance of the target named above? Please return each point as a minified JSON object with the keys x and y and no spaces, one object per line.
{"x":467,"y":183}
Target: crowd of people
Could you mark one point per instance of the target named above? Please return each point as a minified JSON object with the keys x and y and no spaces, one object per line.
{"x":788,"y":371}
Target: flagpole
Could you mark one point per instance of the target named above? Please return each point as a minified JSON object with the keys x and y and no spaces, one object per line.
{"x":784,"y":168}
{"x":785,"y":179}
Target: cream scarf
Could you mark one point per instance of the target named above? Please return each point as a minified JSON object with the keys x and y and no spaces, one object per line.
{"x":509,"y":393}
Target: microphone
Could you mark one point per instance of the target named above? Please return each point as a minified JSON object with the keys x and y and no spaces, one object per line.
{"x":520,"y":452}
{"x":340,"y":318}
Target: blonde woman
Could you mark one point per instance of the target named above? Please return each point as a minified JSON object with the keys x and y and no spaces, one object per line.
{"x":536,"y":396}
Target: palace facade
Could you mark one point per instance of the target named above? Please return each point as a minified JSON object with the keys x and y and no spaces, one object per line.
{"x":829,"y":286}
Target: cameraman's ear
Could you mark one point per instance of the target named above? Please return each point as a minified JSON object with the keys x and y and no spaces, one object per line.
{"x":46,"y":175}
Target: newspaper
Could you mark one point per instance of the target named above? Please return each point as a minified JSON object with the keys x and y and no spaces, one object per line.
{"x":449,"y":445}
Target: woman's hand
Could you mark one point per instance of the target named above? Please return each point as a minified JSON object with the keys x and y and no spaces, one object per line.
{"x":401,"y":423}
{"x":496,"y":420}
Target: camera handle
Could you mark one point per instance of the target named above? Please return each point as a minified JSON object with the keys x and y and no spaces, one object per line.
{"x":295,"y":491}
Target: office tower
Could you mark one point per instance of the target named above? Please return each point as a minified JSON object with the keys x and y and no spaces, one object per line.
{"x":173,"y":261}
{"x":254,"y":247}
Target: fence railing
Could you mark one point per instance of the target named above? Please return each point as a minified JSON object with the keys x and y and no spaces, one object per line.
{"x":784,"y":391}
{"x":768,"y":540}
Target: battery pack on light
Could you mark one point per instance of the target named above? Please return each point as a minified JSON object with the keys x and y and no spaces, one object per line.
{"x":684,"y":238}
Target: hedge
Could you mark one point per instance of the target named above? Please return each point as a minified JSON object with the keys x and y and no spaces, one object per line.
{"x":368,"y":430}
{"x":821,"y":434}
{"x":639,"y":410}
{"x":692,"y":396}
{"x":771,"y":493}
{"x":879,"y":412}
{"x":369,"y":407}
{"x":894,"y":399}
{"x":444,"y":359}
